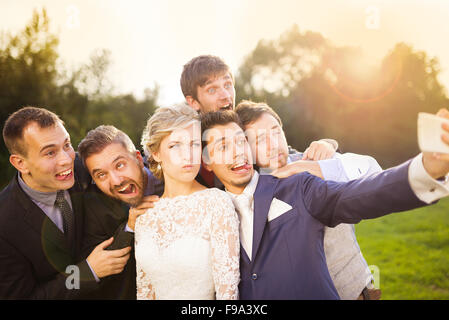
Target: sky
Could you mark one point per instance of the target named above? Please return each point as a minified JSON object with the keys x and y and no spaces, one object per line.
{"x":151,"y":40}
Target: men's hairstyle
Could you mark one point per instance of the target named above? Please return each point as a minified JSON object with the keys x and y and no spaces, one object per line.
{"x":22,"y":118}
{"x":250,"y":111}
{"x":218,"y":118}
{"x":200,"y":69}
{"x":161,"y":124}
{"x":102,"y":136}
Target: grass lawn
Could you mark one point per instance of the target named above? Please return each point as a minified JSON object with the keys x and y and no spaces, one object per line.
{"x":411,"y":250}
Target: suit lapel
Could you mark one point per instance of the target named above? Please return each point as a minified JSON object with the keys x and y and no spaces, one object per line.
{"x":244,"y":255}
{"x":38,"y":220}
{"x":262,"y":201}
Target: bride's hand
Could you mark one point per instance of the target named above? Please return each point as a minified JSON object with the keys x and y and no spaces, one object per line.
{"x":134,"y":212}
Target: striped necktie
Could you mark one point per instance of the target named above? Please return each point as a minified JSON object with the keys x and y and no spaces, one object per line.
{"x":66,"y":212}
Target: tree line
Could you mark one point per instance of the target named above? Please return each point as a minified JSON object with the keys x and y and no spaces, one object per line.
{"x":318,"y":89}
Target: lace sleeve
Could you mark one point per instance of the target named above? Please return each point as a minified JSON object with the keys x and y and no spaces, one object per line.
{"x":144,"y":289}
{"x":143,"y":285}
{"x":225,"y":247}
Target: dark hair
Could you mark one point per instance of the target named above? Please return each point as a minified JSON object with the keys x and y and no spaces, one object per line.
{"x":198,"y":70}
{"x":249,"y":111}
{"x":22,"y":118}
{"x":217,"y":118}
{"x":102,"y":136}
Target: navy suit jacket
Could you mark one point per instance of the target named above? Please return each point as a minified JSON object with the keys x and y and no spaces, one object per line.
{"x":288,"y":260}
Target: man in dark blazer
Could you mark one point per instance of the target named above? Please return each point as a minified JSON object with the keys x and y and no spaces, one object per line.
{"x":106,"y":151}
{"x":282,"y":220}
{"x":41,"y":216}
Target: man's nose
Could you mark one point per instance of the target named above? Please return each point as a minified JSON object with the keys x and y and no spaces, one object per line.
{"x":224,"y":93}
{"x":115,"y":179}
{"x":65,"y":158}
{"x":239,"y":150}
{"x":273,"y":140}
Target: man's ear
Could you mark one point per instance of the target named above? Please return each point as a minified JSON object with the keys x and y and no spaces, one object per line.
{"x":193,"y":103}
{"x":19,"y":163}
{"x":139,"y":157}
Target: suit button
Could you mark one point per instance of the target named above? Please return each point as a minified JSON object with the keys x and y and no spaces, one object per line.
{"x":254,"y":276}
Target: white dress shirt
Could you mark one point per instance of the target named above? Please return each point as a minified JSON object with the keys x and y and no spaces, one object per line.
{"x":244,"y":203}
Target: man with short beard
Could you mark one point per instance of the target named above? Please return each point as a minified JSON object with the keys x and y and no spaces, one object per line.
{"x":123,"y":189}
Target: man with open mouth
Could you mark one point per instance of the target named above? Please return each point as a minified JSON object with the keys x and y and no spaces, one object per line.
{"x":42,"y":216}
{"x":282,"y":220}
{"x":123,"y":189}
{"x":269,"y":147}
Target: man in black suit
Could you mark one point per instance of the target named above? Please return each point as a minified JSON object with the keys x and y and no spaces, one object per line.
{"x":123,"y":189}
{"x":41,"y":216}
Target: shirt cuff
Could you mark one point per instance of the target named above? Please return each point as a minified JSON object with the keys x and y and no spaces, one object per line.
{"x":332,"y":169}
{"x":128,"y":229}
{"x":423,"y":185}
{"x":93,"y":272}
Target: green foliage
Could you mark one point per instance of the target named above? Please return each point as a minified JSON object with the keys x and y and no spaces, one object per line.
{"x":320,"y":90}
{"x":31,"y":73}
{"x":27,"y":72}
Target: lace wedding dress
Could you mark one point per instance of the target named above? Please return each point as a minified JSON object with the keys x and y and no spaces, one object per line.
{"x":187,"y":247}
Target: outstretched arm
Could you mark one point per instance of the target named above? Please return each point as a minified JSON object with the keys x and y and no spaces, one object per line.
{"x":411,"y":185}
{"x":392,"y":190}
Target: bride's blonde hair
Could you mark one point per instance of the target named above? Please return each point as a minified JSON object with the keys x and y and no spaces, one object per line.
{"x":163,"y":122}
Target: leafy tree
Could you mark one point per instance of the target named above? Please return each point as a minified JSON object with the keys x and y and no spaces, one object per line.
{"x":28,"y":72}
{"x":31,"y":73}
{"x":320,"y":90}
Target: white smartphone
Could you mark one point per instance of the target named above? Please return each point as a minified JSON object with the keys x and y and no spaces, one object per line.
{"x":429,"y":133}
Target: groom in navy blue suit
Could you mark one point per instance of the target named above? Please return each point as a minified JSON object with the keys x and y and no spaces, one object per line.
{"x":283,"y":220}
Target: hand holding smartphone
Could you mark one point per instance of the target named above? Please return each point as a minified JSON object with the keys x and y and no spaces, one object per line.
{"x":429,"y":133}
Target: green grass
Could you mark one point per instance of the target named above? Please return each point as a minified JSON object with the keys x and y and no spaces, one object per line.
{"x":411,"y":250}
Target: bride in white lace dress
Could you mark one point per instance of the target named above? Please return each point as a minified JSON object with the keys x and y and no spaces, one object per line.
{"x":187,"y":246}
